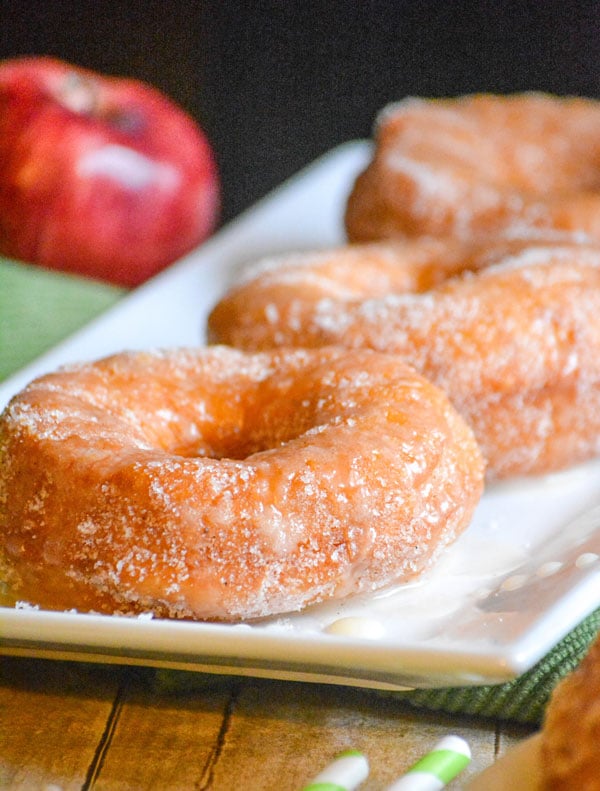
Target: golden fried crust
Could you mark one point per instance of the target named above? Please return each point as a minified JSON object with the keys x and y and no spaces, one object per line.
{"x":509,"y":329}
{"x":571,"y":732}
{"x":216,"y":484}
{"x":478,"y":166}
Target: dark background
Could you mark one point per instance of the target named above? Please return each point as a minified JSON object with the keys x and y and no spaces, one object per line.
{"x":275,"y":84}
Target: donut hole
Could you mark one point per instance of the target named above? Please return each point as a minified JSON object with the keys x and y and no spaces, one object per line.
{"x":270,"y":417}
{"x":255,"y":408}
{"x":230,"y":419}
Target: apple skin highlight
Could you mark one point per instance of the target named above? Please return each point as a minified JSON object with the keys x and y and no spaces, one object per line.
{"x":100,"y":176}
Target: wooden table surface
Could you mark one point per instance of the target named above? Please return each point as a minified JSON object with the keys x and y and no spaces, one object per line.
{"x":70,"y":725}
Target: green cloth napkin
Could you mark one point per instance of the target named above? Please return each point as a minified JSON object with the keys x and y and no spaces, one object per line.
{"x":523,"y":699}
{"x":38,"y":308}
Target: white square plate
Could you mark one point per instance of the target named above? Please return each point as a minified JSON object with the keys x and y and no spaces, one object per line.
{"x":524,"y":574}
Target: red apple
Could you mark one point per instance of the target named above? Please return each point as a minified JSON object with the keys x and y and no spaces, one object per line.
{"x":101,"y":176}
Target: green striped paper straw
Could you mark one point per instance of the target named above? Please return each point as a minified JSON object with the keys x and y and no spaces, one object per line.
{"x":447,"y":759}
{"x":345,"y":773}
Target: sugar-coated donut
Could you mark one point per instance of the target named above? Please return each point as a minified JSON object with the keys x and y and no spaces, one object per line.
{"x":215,"y":484}
{"x":480,"y":165}
{"x":570,"y":747}
{"x":514,"y":338}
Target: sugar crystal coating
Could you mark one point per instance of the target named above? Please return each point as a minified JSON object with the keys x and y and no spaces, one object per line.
{"x":508,"y":328}
{"x":216,"y":484}
{"x":480,"y":165}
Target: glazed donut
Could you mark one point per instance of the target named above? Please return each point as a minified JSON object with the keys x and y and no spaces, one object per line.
{"x":514,"y":339}
{"x":480,"y":165}
{"x":570,"y":735}
{"x":214,"y":484}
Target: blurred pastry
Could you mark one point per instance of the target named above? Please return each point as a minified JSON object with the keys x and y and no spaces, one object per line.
{"x":480,"y":165}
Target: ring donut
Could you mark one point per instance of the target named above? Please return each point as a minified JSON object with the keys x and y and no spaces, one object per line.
{"x":480,"y":165}
{"x":214,"y":484}
{"x":514,"y":339}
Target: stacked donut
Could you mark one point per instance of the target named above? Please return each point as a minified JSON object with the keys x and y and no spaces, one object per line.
{"x":334,"y":450}
{"x":473,"y":260}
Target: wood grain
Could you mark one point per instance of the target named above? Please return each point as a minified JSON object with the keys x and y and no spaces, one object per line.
{"x":165,"y":741}
{"x":52,"y":718}
{"x":67,"y":725}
